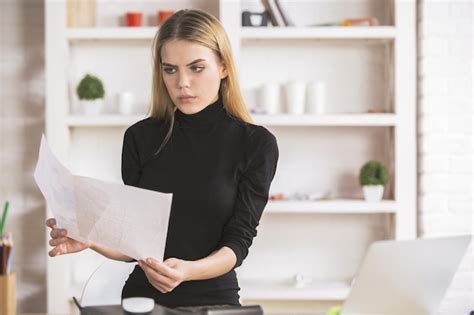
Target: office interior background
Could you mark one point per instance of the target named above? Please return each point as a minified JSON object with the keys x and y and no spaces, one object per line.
{"x":435,"y":145}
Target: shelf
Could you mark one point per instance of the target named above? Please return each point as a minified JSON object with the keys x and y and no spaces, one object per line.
{"x":103,"y":120}
{"x":338,"y":32}
{"x":247,"y":33}
{"x":347,"y":206}
{"x":264,"y":290}
{"x":109,"y":33}
{"x":361,"y":120}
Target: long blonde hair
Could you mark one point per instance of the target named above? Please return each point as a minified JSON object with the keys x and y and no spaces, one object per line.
{"x":202,"y":28}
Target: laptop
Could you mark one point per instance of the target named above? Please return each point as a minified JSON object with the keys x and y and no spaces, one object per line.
{"x":405,"y":277}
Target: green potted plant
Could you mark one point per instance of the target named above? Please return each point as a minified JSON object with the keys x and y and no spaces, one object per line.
{"x":373,"y":177}
{"x":91,"y":94}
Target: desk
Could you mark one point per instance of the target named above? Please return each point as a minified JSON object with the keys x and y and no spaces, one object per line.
{"x":161,"y":310}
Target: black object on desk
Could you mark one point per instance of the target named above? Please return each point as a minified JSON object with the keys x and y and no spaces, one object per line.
{"x":162,"y":310}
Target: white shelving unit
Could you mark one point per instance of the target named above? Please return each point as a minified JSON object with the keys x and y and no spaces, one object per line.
{"x":118,"y":33}
{"x":247,"y":33}
{"x":331,"y":206}
{"x":357,"y":33}
{"x":362,"y":120}
{"x":366,"y":68}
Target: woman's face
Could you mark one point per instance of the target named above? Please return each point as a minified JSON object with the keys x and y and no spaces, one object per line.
{"x":190,"y":69}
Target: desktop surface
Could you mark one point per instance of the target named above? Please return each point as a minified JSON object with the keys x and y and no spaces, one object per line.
{"x":161,"y":310}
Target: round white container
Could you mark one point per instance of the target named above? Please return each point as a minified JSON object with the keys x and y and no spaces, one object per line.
{"x":269,"y":97}
{"x":125,"y":102}
{"x":316,"y":97}
{"x":295,"y":97}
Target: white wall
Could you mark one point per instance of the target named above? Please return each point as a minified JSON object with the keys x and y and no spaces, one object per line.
{"x":445,"y":133}
{"x":21,"y":125}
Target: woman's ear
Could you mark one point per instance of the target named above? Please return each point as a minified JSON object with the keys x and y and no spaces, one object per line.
{"x":223,"y":71}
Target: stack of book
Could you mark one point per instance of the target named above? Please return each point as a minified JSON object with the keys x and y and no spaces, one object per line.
{"x":279,"y":16}
{"x":277,"y":13}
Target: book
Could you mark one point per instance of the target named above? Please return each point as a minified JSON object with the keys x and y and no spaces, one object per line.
{"x":273,"y":13}
{"x":284,"y":14}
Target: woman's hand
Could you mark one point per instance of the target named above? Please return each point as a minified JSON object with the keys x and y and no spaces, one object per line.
{"x":61,"y":242}
{"x":167,"y":275}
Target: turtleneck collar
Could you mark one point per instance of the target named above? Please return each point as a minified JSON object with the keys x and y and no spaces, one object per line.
{"x":207,"y":116}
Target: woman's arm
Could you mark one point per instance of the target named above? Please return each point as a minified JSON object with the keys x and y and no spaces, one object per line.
{"x":216,"y":264}
{"x":65,"y":245}
{"x":110,"y":253}
{"x":167,"y":275}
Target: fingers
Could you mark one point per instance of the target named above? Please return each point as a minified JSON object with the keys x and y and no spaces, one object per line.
{"x":51,"y":222}
{"x":55,"y":252}
{"x":55,"y":233}
{"x":57,"y":241}
{"x":163,"y":269}
{"x":160,"y":286}
{"x":58,"y":237}
{"x":161,"y":282}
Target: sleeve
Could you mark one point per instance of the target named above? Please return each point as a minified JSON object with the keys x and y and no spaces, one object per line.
{"x":252,"y":197}
{"x":131,"y":169}
{"x":130,"y":162}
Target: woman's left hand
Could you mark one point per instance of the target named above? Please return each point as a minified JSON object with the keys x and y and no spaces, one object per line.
{"x":167,"y":275}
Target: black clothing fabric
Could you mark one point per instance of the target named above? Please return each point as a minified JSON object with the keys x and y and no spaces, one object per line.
{"x":219,"y":170}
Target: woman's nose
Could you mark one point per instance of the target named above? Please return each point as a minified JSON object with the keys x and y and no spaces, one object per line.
{"x":183,"y":81}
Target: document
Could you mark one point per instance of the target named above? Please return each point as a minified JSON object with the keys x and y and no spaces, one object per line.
{"x":128,"y":219}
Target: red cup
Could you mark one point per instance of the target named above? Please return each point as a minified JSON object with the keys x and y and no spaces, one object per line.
{"x":163,"y":15}
{"x":134,"y":18}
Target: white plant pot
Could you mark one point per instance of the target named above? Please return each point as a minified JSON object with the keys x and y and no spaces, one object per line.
{"x":373,"y":193}
{"x":92,"y":107}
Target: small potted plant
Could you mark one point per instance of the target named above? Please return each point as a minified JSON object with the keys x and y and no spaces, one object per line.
{"x":91,"y":94}
{"x":373,"y":177}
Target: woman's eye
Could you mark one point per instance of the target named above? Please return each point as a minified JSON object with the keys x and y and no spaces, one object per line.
{"x":194,"y":68}
{"x":197,"y":69}
{"x":168,"y":70}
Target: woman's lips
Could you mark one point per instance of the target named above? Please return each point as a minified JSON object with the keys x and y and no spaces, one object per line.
{"x":187,"y":99}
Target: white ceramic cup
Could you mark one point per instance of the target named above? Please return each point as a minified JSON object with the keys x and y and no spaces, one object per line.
{"x":316,"y":97}
{"x":125,"y":102}
{"x":295,"y":96}
{"x":269,"y":97}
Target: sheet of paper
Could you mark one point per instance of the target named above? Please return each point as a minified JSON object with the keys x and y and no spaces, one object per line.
{"x":130,"y":220}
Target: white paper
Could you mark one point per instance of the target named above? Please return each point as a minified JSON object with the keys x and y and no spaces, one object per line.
{"x":130,"y":220}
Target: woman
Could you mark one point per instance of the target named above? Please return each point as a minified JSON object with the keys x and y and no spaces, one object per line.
{"x":200,"y":145}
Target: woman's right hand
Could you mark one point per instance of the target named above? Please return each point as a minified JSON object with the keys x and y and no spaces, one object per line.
{"x":61,"y":242}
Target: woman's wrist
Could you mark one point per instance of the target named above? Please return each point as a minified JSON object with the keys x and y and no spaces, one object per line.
{"x":189,"y":270}
{"x":93,"y":246}
{"x":109,"y":253}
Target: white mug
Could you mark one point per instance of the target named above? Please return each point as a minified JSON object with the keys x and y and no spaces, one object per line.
{"x":269,"y":97}
{"x":316,"y":97}
{"x":125,"y":102}
{"x":295,"y":96}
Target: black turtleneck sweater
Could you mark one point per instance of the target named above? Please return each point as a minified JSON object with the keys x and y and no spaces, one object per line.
{"x":219,"y":170}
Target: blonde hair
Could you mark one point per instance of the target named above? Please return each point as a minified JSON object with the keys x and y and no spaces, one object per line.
{"x":202,"y":28}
